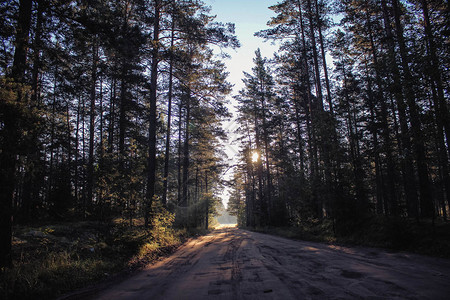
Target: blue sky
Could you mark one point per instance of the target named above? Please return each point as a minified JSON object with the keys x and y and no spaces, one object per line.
{"x":249,"y":16}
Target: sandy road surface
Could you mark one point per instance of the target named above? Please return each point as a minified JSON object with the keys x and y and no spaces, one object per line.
{"x":236,"y":264}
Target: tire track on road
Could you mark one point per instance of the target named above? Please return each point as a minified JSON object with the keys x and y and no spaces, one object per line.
{"x":236,"y":264}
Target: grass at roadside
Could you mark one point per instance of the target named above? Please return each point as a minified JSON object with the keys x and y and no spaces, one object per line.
{"x":398,"y":235}
{"x":54,"y":259}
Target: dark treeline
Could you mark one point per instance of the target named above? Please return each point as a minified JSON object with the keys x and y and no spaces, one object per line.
{"x":109,"y":109}
{"x":370,"y":137}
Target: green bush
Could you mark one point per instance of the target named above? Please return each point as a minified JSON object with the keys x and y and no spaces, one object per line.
{"x":55,"y":259}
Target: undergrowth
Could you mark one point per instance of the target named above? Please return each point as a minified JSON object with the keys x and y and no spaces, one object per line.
{"x":55,"y":259}
{"x":396,"y":234}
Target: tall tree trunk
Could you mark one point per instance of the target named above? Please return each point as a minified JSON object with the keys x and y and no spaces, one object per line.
{"x":389,"y":196}
{"x":426,"y":198}
{"x":37,"y":46}
{"x":101,"y":125}
{"x":376,"y":152}
{"x":100,"y":193}
{"x":296,"y":104}
{"x":52,"y":136}
{"x":186,"y":158}
{"x":31,"y":186}
{"x":310,"y":119}
{"x":396,"y":90}
{"x":169,"y":119}
{"x":333,"y":147}
{"x":442,"y":153}
{"x":90,"y":168}
{"x":251,"y":181}
{"x":123,"y":107}
{"x":21,"y":42}
{"x":206,"y":201}
{"x":77,"y":152}
{"x":323,"y":130}
{"x":315,"y":57}
{"x":198,"y":220}
{"x":324,"y":60}
{"x":11,"y":134}
{"x":151,"y":175}
{"x":354,"y":143}
{"x":259,"y":168}
{"x":435,"y":72}
{"x":179,"y":163}
{"x":69,"y":148}
{"x":83,"y":157}
{"x":112,"y":118}
{"x":269,"y":205}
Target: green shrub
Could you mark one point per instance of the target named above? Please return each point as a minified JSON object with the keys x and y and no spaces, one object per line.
{"x":55,"y":259}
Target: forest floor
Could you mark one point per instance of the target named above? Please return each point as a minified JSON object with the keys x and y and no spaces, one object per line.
{"x":231,"y":263}
{"x":396,"y":234}
{"x":51,"y":260}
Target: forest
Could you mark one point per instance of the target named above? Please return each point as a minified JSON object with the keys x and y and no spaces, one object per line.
{"x":350,"y":118}
{"x":114,"y":110}
{"x":110,"y":108}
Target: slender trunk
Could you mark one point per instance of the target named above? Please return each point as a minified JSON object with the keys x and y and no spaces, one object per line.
{"x":435,"y":73}
{"x":123,"y":113}
{"x":195,"y":200}
{"x":296,"y":103}
{"x":112,"y":110}
{"x":52,"y":135}
{"x":426,"y":200}
{"x":376,"y":152}
{"x":259,"y":168}
{"x":251,"y":186}
{"x":101,"y":125}
{"x":324,"y":60}
{"x":442,"y":153}
{"x":77,"y":129}
{"x":37,"y":45}
{"x":11,"y":134}
{"x":253,"y":210}
{"x":207,"y":201}
{"x":269,"y":205}
{"x":83,"y":157}
{"x":100,"y":194}
{"x":151,"y":175}
{"x":354,"y":143}
{"x":31,"y":185}
{"x":21,"y":42}
{"x":8,"y":181}
{"x":310,"y":120}
{"x":396,"y":90}
{"x":315,"y":58}
{"x":180,"y":123}
{"x":69,"y":145}
{"x":186,"y":161}
{"x":90,"y":168}
{"x":248,"y":199}
{"x":390,"y":197}
{"x":169,"y":120}
{"x":323,"y":130}
{"x":332,"y":147}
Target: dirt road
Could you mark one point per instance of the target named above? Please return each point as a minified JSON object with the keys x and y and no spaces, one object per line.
{"x":236,"y":264}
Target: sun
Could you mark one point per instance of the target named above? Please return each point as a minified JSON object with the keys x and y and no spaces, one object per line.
{"x":255,"y":156}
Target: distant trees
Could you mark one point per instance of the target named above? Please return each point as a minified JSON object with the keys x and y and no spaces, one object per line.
{"x":369,"y":137}
{"x":89,"y":93}
{"x":255,"y":109}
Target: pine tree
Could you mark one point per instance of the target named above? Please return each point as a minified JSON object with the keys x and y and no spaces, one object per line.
{"x":12,"y":118}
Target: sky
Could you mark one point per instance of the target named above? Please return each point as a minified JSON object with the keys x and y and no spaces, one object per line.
{"x":249,"y":16}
